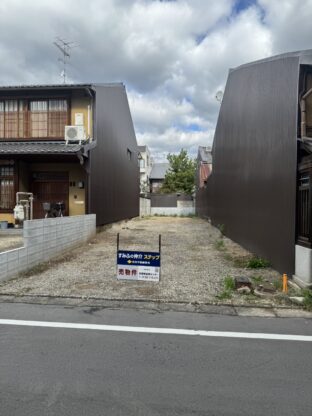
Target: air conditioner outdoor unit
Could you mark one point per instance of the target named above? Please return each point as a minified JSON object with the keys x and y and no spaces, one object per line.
{"x":74,"y":134}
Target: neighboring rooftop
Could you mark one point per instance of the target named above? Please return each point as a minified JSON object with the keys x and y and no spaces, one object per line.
{"x":204,"y":154}
{"x":159,"y":170}
{"x":142,"y":148}
{"x":55,"y":86}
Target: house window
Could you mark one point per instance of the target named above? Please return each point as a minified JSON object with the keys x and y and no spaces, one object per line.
{"x":142,"y":163}
{"x":33,"y":119}
{"x":12,"y":118}
{"x":6,"y":186}
{"x":129,"y":154}
{"x":48,"y":118}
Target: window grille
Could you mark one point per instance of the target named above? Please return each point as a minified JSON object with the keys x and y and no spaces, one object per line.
{"x":6,"y":187}
{"x":33,"y":119}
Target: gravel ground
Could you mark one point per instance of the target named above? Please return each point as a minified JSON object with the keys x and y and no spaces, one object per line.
{"x":193,"y":266}
{"x":8,"y":242}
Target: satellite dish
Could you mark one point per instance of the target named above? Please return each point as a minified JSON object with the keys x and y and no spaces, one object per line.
{"x":219,"y":96}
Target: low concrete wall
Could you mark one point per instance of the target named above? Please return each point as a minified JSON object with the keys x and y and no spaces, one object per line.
{"x":173,"y":211}
{"x":45,"y":239}
{"x":145,"y":206}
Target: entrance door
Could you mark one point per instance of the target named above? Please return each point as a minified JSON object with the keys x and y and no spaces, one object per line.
{"x":49,"y":187}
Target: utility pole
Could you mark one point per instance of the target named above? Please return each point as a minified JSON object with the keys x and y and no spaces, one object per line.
{"x":64,"y":47}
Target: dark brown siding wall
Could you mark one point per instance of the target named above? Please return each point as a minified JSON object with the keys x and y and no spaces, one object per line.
{"x":252,"y":189}
{"x":114,"y":179}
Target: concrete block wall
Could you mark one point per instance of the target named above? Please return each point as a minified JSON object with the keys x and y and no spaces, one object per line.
{"x":45,"y":239}
{"x":145,"y":206}
{"x":173,"y":211}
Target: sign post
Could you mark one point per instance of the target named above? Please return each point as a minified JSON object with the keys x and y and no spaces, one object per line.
{"x":138,"y":265}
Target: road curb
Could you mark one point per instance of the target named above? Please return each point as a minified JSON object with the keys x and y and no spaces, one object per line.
{"x":217,"y":308}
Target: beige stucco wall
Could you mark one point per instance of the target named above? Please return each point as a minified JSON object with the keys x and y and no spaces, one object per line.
{"x":80,"y":105}
{"x":77,"y":199}
{"x":7,"y":217}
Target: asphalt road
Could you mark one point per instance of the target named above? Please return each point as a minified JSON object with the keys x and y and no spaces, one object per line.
{"x":72,"y":372}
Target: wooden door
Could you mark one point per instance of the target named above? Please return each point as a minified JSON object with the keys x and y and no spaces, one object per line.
{"x":49,"y":187}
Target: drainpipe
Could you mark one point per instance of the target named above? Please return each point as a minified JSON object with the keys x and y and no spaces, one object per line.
{"x":90,"y":112}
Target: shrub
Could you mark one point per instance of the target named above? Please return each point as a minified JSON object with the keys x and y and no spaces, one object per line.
{"x":257,"y":263}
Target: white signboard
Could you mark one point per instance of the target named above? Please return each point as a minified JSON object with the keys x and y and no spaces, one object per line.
{"x":138,"y":265}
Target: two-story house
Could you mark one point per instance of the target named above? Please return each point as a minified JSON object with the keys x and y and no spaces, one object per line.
{"x":69,"y":143}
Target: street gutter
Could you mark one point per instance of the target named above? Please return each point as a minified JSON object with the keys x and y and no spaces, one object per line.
{"x":160,"y":306}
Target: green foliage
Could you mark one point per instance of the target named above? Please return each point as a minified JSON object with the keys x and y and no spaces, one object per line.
{"x":229,"y":286}
{"x":219,"y":245}
{"x":278,"y":284}
{"x":258,"y":279}
{"x":307,"y":301}
{"x":180,"y":176}
{"x":221,"y":228}
{"x":257,"y":263}
{"x":229,"y":283}
{"x":225,"y":294}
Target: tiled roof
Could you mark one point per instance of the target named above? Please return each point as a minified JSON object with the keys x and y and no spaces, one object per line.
{"x":159,"y":170}
{"x":21,"y":148}
{"x":56,"y":86}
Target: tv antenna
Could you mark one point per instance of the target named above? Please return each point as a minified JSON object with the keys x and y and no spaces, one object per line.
{"x":64,"y":47}
{"x":219,"y":96}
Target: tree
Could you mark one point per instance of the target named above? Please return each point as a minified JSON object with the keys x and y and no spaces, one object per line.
{"x":180,"y":176}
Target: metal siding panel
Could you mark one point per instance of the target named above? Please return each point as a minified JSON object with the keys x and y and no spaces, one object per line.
{"x":252,"y":189}
{"x":163,"y":200}
{"x":114,"y":180}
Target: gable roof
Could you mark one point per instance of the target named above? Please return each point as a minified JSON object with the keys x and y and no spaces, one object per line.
{"x":159,"y":170}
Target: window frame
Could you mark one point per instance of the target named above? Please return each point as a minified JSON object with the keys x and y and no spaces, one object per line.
{"x":14,"y":177}
{"x":27,"y":130}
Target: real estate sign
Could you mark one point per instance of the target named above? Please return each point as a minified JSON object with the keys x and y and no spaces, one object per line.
{"x":138,"y":265}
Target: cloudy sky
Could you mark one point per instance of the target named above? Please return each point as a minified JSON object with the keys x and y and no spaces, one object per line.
{"x":173,"y":56}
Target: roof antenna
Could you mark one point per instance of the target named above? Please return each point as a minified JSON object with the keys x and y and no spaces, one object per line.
{"x":65,"y":47}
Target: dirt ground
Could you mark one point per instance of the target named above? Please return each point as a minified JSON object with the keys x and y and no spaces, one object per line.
{"x":194,"y":264}
{"x":8,"y":242}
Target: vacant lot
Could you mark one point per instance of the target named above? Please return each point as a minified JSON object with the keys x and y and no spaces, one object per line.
{"x":8,"y":242}
{"x":194,"y":264}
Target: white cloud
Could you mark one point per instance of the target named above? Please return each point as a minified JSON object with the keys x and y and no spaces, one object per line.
{"x":173,"y":56}
{"x":290,"y":24}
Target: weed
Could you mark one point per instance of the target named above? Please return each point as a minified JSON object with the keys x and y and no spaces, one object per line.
{"x":240,"y":261}
{"x":221,"y":228}
{"x":227,"y":256}
{"x":225,"y":294}
{"x":258,"y":279}
{"x":307,"y":301}
{"x":278,"y":284}
{"x":229,"y":283}
{"x":229,"y":286}
{"x":219,"y":245}
{"x":257,"y":263}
